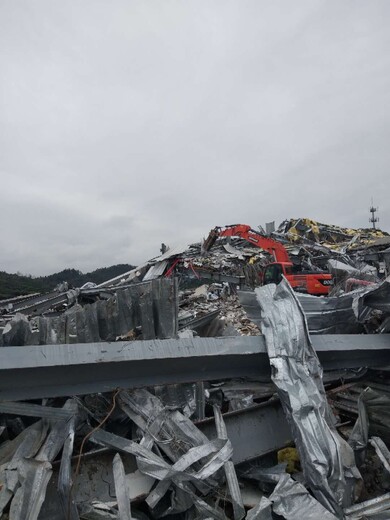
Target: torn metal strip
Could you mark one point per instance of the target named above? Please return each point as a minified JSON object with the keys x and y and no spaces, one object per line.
{"x":25,"y":451}
{"x":157,"y":467}
{"x":34,"y":477}
{"x":97,"y":511}
{"x":128,"y":446}
{"x":208,"y":512}
{"x":33,"y":410}
{"x":382,"y":452}
{"x":172,"y":432}
{"x":57,"y":435}
{"x":161,"y":425}
{"x":65,"y":482}
{"x":220,"y":450}
{"x":369,"y":508}
{"x":230,"y":472}
{"x":121,"y":490}
{"x":359,"y":436}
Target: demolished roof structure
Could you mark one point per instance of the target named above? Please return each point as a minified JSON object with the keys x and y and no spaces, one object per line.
{"x":185,"y":390}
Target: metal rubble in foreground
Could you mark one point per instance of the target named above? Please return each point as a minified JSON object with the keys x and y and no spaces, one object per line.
{"x":185,"y":390}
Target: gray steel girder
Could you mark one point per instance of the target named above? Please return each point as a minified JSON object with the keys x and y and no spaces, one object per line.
{"x":61,"y":370}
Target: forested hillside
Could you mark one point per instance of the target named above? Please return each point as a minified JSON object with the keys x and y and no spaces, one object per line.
{"x":16,"y":284}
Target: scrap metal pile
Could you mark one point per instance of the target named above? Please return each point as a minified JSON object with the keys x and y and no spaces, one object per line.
{"x":181,"y":390}
{"x":347,"y":253}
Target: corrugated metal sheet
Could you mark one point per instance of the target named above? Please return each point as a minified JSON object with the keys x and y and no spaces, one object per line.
{"x":155,"y":271}
{"x":174,"y":251}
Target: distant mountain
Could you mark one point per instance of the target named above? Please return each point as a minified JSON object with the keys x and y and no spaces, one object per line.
{"x":16,"y":284}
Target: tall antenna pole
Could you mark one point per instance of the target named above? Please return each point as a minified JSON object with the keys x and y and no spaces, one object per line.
{"x":373,"y":219}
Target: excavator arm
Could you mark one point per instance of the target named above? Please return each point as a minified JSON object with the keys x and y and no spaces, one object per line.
{"x":312,"y":283}
{"x":253,"y":237}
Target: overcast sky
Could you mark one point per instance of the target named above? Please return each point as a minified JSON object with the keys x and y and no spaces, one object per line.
{"x":124,"y":124}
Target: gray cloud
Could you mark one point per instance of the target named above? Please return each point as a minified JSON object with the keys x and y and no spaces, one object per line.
{"x":129,"y":123}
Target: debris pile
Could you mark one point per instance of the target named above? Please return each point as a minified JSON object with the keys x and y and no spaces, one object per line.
{"x":329,"y":235}
{"x":208,"y":283}
{"x":214,"y":310}
{"x":188,"y":389}
{"x":362,"y":254}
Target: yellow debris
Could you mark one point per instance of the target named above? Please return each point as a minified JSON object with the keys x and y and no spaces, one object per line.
{"x":291,"y":456}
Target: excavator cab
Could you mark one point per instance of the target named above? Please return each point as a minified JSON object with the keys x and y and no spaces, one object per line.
{"x":272,"y":274}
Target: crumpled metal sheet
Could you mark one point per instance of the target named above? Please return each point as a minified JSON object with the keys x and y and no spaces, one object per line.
{"x":378,"y":297}
{"x":336,"y":268}
{"x":327,"y":460}
{"x":342,"y":272}
{"x":371,"y":405}
{"x":324,"y":314}
{"x":292,"y":501}
{"x":330,"y":314}
{"x":370,"y":300}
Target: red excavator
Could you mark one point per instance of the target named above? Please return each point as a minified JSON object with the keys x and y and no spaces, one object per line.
{"x":311,"y":282}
